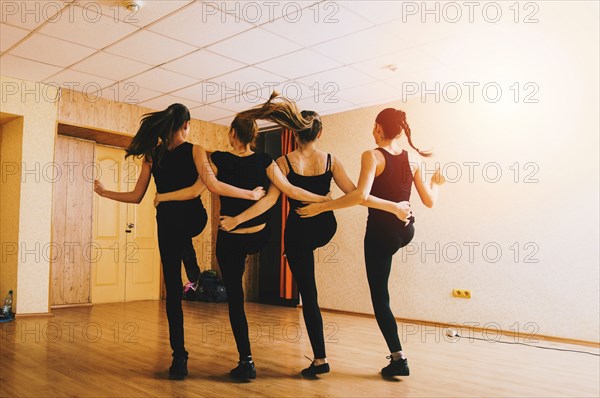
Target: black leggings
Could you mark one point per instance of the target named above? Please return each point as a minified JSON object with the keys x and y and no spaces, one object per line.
{"x":175,"y":245}
{"x":380,"y":245}
{"x":231,"y":252}
{"x":302,"y":237}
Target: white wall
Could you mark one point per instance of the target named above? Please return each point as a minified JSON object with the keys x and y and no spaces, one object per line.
{"x":557,"y":215}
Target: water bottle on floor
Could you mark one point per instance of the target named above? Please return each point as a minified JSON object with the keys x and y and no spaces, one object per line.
{"x":7,"y":307}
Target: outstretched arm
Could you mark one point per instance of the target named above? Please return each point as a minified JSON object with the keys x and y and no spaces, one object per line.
{"x":263,"y":205}
{"x":134,"y":196}
{"x":399,"y":209}
{"x":358,"y":196}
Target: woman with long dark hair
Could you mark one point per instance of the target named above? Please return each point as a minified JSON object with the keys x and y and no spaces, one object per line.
{"x":174,"y":163}
{"x":387,"y":172}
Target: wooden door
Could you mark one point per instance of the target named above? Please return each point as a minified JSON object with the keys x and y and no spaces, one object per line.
{"x":72,"y":243}
{"x":110,"y":223}
{"x":142,"y":259}
{"x":129,"y":266}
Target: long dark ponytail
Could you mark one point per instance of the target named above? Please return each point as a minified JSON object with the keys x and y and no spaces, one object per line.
{"x":156,"y":131}
{"x":393,"y":122}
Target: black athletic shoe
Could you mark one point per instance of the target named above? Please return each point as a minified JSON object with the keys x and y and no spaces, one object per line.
{"x":396,"y":368}
{"x":178,"y":369}
{"x":313,"y":370}
{"x":244,"y":371}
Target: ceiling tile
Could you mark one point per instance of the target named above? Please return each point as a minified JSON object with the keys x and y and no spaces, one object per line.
{"x":369,"y":94}
{"x":200,"y":24}
{"x":300,"y":63}
{"x":380,"y":11}
{"x":149,"y":12}
{"x":162,"y":80}
{"x":259,"y":13}
{"x":110,"y":66}
{"x":164,"y":101}
{"x":209,"y":112}
{"x":323,"y":106}
{"x":150,"y":48}
{"x":203,"y":92}
{"x":318,"y":23}
{"x":78,"y":81}
{"x":247,"y":79}
{"x":32,"y":13}
{"x":414,"y":32}
{"x":254,"y":46}
{"x":51,"y":51}
{"x":336,"y":79}
{"x":10,"y":35}
{"x":129,"y":93}
{"x":85,"y":26}
{"x":360,"y":46}
{"x":203,"y":64}
{"x":405,"y":61}
{"x":240,"y":102}
{"x":25,"y":69}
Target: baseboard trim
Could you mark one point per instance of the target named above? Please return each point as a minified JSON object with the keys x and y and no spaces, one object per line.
{"x":33,"y":314}
{"x":58,"y":307}
{"x":474,"y":328}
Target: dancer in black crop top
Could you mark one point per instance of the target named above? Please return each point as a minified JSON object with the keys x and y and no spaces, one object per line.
{"x":175,"y":164}
{"x":386,"y":172}
{"x":312,"y":170}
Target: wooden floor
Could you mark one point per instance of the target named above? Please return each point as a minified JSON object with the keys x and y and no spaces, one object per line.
{"x":122,"y":350}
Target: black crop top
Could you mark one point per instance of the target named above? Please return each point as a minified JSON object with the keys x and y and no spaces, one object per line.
{"x":247,"y":172}
{"x":394,"y":183}
{"x":319,"y":184}
{"x":176,"y":170}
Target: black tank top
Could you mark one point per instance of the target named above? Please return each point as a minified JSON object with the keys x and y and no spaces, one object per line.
{"x":246,"y":172}
{"x":176,"y":170}
{"x":319,"y":184}
{"x":394,"y":183}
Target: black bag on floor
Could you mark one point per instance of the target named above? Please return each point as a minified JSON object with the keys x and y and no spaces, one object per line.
{"x":210,"y":289}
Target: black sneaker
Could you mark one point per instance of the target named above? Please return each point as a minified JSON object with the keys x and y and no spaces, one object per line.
{"x":313,"y":370}
{"x":244,"y":371}
{"x":396,"y":368}
{"x":178,"y":369}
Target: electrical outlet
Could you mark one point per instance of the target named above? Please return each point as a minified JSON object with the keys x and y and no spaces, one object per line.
{"x":461,"y":293}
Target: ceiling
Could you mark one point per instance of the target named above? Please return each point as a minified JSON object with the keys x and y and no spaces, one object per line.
{"x":221,"y":57}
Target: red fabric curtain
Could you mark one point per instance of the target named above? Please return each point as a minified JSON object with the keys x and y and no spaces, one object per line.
{"x":287,"y":286}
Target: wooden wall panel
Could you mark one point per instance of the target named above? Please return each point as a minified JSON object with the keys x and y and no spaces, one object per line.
{"x":71,"y":223}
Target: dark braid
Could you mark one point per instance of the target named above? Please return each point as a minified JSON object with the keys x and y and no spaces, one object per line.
{"x":393,"y":122}
{"x":404,"y":125}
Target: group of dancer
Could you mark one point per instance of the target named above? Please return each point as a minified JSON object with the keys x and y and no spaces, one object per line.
{"x":248,"y":184}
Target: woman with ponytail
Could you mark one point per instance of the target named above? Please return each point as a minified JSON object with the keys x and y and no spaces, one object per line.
{"x":175,"y":164}
{"x":388,"y":173}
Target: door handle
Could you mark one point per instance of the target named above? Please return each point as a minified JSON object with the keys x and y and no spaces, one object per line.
{"x":130,"y":225}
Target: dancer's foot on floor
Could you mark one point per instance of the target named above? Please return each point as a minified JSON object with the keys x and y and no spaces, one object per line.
{"x":178,"y":369}
{"x":244,"y":371}
{"x":396,"y":367}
